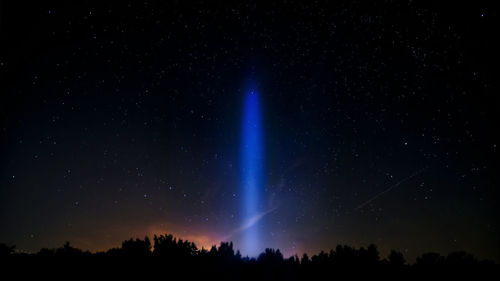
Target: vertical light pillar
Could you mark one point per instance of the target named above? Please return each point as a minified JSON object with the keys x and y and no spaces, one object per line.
{"x":251,"y":163}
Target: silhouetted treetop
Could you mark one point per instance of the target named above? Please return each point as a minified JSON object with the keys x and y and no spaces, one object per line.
{"x":167,"y":251}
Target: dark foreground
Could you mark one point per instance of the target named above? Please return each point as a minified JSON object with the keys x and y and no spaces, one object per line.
{"x":180,"y":260}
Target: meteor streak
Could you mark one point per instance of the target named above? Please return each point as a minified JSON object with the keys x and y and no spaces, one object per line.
{"x":249,"y":223}
{"x":390,"y":188}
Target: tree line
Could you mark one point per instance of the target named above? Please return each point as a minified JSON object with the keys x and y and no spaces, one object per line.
{"x":166,"y":251}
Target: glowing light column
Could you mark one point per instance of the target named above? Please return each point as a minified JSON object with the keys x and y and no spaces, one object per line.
{"x":251,"y":157}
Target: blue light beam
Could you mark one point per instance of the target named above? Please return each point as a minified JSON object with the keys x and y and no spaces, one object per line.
{"x":251,"y":157}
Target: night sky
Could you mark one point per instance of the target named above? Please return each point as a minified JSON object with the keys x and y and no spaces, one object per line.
{"x":375,"y":125}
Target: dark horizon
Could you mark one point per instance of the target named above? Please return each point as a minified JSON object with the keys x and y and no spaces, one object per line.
{"x":287,"y":124}
{"x":137,"y":247}
{"x":383,"y":255}
{"x":165,"y":255}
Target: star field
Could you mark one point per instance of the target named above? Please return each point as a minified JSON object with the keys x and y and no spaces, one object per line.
{"x":124,"y":120}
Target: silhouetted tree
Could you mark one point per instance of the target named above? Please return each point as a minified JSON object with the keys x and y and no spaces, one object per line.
{"x":293,"y":261}
{"x":305,"y":259}
{"x":344,"y":255}
{"x":68,"y":250}
{"x":169,"y":247}
{"x":137,"y":247}
{"x":372,"y":255}
{"x":238,"y":255}
{"x":225,"y":253}
{"x":460,"y":258}
{"x":6,"y":250}
{"x":320,"y":259}
{"x":46,"y":252}
{"x":430,"y":259}
{"x":114,"y":252}
{"x":271,"y":256}
{"x":396,"y":258}
{"x":179,"y":256}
